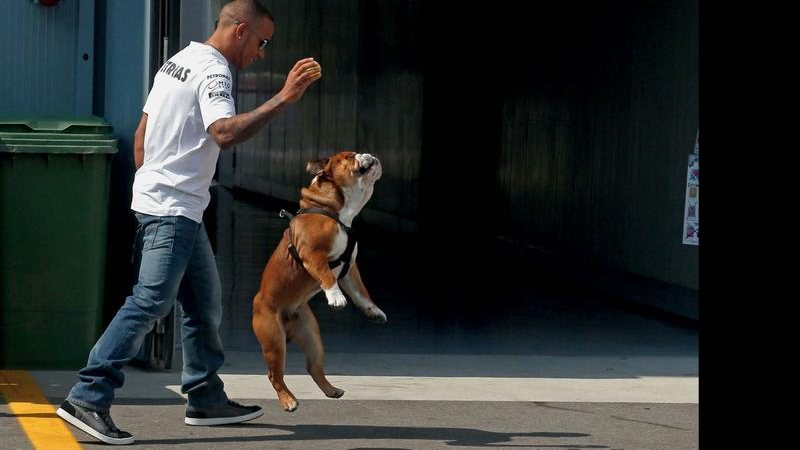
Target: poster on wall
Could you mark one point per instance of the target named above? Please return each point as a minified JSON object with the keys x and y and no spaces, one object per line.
{"x":691,"y":220}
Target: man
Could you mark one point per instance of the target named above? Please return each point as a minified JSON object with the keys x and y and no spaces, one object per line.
{"x":189,"y":115}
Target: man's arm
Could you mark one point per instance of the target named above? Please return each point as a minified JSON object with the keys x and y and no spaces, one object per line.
{"x":241,"y":127}
{"x":138,"y":142}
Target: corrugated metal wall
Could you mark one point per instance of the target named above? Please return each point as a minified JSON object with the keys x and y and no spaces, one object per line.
{"x":368,"y":101}
{"x":593,"y":158}
{"x":564,"y":127}
{"x":42,"y":62}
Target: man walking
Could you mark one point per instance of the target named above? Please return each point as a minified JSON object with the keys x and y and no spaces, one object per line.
{"x":188,"y":116}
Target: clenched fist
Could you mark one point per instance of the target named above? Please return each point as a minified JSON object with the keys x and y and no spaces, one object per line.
{"x":304,"y":72}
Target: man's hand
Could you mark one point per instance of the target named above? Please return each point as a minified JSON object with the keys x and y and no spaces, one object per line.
{"x":304,"y":72}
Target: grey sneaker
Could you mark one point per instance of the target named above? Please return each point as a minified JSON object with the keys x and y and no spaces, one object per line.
{"x":95,"y":423}
{"x":230,"y":412}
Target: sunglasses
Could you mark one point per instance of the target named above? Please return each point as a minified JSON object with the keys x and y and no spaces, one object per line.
{"x":262,"y":42}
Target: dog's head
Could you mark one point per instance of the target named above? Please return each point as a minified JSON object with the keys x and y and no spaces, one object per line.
{"x":343,"y":182}
{"x":348,"y":169}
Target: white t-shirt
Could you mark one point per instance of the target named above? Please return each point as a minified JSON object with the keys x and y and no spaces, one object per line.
{"x":190,"y":92}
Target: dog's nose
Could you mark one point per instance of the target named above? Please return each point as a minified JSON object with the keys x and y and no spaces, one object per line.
{"x":365,"y":160}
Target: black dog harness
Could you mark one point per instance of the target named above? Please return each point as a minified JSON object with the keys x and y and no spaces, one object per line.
{"x":346,"y":256}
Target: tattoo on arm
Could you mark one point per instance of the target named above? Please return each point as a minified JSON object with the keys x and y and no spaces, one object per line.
{"x":244,"y":126}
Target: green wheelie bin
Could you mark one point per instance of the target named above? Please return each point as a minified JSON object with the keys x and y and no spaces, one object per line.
{"x":54,"y":200}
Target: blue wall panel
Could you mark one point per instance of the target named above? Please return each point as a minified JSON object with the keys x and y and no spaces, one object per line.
{"x":42,"y":63}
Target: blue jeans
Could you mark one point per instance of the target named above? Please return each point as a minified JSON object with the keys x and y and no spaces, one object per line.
{"x":176,"y":262}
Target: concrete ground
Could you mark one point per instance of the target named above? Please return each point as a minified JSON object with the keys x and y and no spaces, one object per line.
{"x":581,"y":375}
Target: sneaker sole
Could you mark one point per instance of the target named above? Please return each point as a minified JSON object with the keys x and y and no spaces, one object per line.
{"x":223,"y":420}
{"x":91,"y":431}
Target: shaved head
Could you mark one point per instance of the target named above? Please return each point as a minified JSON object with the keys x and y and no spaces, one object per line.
{"x":243,"y":30}
{"x":246,"y":10}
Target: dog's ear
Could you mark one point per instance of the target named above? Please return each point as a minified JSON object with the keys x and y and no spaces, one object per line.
{"x":315,"y":167}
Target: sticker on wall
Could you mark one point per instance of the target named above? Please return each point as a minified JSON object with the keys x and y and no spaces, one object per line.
{"x":691,"y":220}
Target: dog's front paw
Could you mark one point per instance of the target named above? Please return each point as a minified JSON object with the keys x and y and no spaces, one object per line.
{"x":336,"y":299}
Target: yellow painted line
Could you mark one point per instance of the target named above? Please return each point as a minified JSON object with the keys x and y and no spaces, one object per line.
{"x":34,"y":412}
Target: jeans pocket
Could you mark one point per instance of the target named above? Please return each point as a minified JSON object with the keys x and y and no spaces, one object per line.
{"x":162,"y":235}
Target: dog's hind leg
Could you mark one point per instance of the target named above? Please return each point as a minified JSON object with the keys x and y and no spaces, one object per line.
{"x":303,"y":330}
{"x":355,"y":288}
{"x":272,"y":337}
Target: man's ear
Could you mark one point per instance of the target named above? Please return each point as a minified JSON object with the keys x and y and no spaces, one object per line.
{"x":315,"y":167}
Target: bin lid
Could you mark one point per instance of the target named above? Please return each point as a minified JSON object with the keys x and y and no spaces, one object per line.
{"x":56,"y":134}
{"x":8,"y":137}
{"x":87,"y":148}
{"x":35,"y":139}
{"x":54,"y":123}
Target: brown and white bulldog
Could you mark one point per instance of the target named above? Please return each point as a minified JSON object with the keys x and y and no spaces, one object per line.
{"x":301,"y":265}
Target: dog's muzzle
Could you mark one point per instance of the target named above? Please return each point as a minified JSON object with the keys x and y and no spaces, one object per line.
{"x":366,"y":162}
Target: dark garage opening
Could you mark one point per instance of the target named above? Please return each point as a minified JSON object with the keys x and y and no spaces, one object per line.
{"x":534,"y":158}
